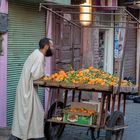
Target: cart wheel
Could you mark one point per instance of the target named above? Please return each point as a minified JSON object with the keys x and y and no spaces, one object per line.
{"x":53,"y":131}
{"x":116,"y":119}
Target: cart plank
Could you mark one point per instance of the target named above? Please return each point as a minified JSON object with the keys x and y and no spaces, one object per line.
{"x":126,"y":89}
{"x":86,"y":87}
{"x":62,"y":122}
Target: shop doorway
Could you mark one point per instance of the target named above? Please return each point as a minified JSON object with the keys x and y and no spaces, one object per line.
{"x":106,"y":50}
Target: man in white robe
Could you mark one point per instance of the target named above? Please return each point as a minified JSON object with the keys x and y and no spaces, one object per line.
{"x":28,"y":122}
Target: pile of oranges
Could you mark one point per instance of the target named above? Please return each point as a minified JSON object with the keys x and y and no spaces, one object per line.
{"x":81,"y":110}
{"x":91,"y":76}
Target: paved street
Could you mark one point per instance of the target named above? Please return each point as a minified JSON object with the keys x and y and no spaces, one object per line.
{"x":133,"y":120}
{"x":131,"y":133}
{"x":3,"y":138}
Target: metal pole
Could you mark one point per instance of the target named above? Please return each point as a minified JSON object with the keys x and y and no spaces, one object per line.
{"x":94,"y":13}
{"x":76,"y":6}
{"x":61,"y":16}
{"x":108,"y":27}
{"x":103,"y":21}
{"x":81,"y":49}
{"x":139,"y":77}
{"x":72,"y":47}
{"x":138,"y":53}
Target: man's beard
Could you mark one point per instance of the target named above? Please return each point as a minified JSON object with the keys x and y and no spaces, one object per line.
{"x":49,"y":52}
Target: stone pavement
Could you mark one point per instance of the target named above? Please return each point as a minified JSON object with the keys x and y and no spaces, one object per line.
{"x":133,"y":121}
{"x":131,"y":133}
{"x":4,"y":133}
{"x":3,"y":138}
{"x":80,"y":133}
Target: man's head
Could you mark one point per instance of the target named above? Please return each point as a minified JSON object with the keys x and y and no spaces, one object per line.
{"x":46,"y":46}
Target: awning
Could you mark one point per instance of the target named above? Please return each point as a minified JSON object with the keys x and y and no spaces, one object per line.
{"x":122,"y":18}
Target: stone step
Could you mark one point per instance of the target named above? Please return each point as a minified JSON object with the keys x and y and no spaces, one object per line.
{"x":5,"y":131}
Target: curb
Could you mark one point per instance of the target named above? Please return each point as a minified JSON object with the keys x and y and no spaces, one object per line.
{"x":5,"y":131}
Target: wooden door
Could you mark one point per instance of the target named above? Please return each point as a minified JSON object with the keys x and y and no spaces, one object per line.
{"x":67,"y":42}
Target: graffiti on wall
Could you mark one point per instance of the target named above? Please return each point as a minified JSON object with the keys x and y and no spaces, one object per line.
{"x":119,"y":38}
{"x":118,"y":42}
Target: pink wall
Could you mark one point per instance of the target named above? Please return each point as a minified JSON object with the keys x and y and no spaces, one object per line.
{"x":48,"y":62}
{"x":3,"y":70}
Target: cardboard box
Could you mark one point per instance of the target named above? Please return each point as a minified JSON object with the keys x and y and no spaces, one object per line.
{"x":77,"y":119}
{"x":80,"y":117}
{"x":97,"y":103}
{"x":87,"y":106}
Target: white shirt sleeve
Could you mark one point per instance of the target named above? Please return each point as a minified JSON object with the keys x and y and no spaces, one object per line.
{"x":37,"y":70}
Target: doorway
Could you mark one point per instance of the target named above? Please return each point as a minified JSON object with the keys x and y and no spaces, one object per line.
{"x":106,"y":50}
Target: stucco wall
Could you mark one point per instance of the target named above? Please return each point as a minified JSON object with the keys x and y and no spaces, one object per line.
{"x":3,"y":70}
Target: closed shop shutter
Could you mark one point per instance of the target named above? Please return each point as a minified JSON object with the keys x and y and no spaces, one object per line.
{"x":26,"y":27}
{"x":130,"y":55}
{"x":131,"y":48}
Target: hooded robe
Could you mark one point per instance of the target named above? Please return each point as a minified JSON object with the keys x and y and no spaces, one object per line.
{"x":28,"y":119}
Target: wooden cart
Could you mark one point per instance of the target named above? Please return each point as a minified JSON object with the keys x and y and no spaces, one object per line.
{"x":110,"y":117}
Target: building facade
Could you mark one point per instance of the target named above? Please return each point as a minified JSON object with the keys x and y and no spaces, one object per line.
{"x":26,"y":26}
{"x":98,"y":42}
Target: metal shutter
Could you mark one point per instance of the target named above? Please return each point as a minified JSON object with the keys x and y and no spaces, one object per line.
{"x":130,"y":55}
{"x":26,"y":27}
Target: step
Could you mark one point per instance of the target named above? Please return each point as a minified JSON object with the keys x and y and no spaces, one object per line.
{"x":5,"y":131}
